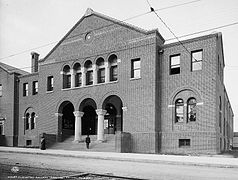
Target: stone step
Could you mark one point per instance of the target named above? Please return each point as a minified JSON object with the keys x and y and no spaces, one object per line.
{"x":107,"y":146}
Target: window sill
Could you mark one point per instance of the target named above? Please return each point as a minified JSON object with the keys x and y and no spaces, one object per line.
{"x":137,"y":78}
{"x":49,"y":92}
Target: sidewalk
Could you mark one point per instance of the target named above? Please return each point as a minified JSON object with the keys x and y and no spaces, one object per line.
{"x":223,"y":162}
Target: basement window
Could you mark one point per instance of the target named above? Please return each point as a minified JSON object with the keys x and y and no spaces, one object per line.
{"x":28,"y":142}
{"x":184,"y":142}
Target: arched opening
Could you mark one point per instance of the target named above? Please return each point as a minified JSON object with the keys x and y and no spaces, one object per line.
{"x":68,"y":119}
{"x":89,"y":119}
{"x":113,"y":120}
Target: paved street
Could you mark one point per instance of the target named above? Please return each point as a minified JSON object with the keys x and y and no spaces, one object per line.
{"x":144,"y":170}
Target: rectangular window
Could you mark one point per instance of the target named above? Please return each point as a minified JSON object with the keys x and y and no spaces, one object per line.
{"x":0,"y":90}
{"x":25,"y":89}
{"x":174,"y":64}
{"x":196,"y":59}
{"x":35,"y":87}
{"x":78,"y":79}
{"x":101,"y":75}
{"x":50,"y":83}
{"x":135,"y":68}
{"x":89,"y":78}
{"x":184,"y":142}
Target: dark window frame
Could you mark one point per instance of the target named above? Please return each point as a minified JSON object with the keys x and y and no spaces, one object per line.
{"x":50,"y":83}
{"x":135,"y":69}
{"x":196,"y":61}
{"x":174,"y":68}
{"x":25,"y":89}
{"x":35,"y":87}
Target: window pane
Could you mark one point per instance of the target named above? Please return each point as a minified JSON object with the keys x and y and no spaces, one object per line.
{"x":197,"y":56}
{"x":113,"y":76}
{"x":196,"y":60}
{"x":197,"y":66}
{"x":192,"y":109}
{"x":175,"y":64}
{"x":136,"y":64}
{"x":179,"y":110}
{"x":89,"y":77}
{"x":78,"y":80}
{"x":101,"y":75}
{"x":137,"y":73}
{"x":175,"y":60}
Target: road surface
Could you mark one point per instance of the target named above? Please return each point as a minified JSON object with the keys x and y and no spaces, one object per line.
{"x":156,"y":171}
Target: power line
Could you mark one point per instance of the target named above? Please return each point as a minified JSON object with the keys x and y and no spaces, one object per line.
{"x":152,"y":10}
{"x":136,"y":16}
{"x":199,"y":32}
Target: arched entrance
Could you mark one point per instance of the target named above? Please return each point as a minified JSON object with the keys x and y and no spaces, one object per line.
{"x":114,"y":118}
{"x":89,"y":119}
{"x":68,"y":119}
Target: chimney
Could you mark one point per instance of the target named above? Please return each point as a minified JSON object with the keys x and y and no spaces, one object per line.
{"x":34,"y":62}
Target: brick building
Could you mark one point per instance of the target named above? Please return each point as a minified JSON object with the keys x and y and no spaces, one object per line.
{"x":106,"y":77}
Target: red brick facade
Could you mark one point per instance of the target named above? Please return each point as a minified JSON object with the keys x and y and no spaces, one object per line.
{"x":147,"y":101}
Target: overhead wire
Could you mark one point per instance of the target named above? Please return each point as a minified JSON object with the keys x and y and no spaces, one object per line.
{"x":136,"y":16}
{"x":152,"y":10}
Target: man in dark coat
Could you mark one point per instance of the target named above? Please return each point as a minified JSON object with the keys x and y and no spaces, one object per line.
{"x":87,"y":140}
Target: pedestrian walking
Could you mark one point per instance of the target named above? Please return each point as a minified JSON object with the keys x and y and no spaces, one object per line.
{"x":87,"y":140}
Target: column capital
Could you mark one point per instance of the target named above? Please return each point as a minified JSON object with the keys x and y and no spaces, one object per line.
{"x":106,"y":64}
{"x":101,"y":112}
{"x":58,"y":114}
{"x":72,"y":72}
{"x":78,"y":114}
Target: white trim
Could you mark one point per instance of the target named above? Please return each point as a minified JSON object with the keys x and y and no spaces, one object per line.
{"x":201,"y":103}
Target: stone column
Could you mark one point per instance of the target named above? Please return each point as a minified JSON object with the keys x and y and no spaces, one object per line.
{"x":101,"y":113}
{"x":83,"y":76}
{"x":59,"y":127}
{"x":72,"y":78}
{"x":107,"y":73}
{"x":78,"y":126}
{"x":95,"y":74}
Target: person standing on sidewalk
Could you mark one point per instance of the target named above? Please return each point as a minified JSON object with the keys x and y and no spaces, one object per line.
{"x":87,"y":140}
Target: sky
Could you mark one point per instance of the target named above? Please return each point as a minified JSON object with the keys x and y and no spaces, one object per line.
{"x":33,"y":25}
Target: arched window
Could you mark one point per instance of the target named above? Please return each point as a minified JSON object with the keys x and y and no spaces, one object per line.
{"x":113,"y":67}
{"x":66,"y":77}
{"x":78,"y":75}
{"x":89,"y":72}
{"x":101,"y":70}
{"x":191,"y":109}
{"x":27,"y":121}
{"x":33,"y":120}
{"x":179,"y":104}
